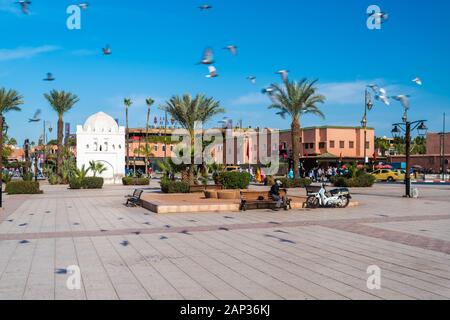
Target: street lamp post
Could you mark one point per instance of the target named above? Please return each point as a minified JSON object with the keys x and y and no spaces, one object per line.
{"x":407,"y":127}
{"x":2,"y":127}
{"x":368,"y":105}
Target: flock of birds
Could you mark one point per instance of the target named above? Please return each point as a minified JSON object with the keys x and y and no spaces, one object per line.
{"x":208,"y":60}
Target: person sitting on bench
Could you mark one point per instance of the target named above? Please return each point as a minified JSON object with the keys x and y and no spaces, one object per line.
{"x":275,"y":195}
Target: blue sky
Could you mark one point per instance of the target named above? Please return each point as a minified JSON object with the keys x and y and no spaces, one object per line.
{"x":157,"y":43}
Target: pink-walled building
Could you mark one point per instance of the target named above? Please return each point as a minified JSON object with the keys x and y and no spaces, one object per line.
{"x":342,"y":142}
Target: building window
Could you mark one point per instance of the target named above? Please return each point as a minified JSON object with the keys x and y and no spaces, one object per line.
{"x":367,"y":145}
{"x":322,"y":145}
{"x":351,"y":144}
{"x":332,"y":144}
{"x":155,"y":147}
{"x":306,"y":146}
{"x":164,"y":148}
{"x":342,"y":144}
{"x":171,"y":148}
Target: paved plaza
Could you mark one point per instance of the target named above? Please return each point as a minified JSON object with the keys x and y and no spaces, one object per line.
{"x":132,"y":253}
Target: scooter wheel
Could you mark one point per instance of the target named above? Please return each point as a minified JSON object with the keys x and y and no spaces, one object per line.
{"x":345,"y":202}
{"x":312,"y":202}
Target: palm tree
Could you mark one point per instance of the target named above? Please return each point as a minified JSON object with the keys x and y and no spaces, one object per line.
{"x":187,"y":111}
{"x":295,"y":99}
{"x":61,"y":102}
{"x":9,"y":101}
{"x":96,"y":167}
{"x":149,"y":103}
{"x":127,"y":102}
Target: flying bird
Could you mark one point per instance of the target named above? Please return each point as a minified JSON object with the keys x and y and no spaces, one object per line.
{"x":382,"y":96}
{"x":232,"y":48}
{"x":83,"y":5}
{"x":25,"y":6}
{"x":107,"y":50}
{"x":36,"y":116}
{"x":49,"y":77}
{"x":212,"y":72}
{"x":252,"y":79}
{"x":418,"y":81}
{"x":208,"y":57}
{"x":380,"y":15}
{"x":268,"y":90}
{"x":375,"y":88}
{"x":284,"y":74}
{"x":205,"y":7}
{"x":403,"y":99}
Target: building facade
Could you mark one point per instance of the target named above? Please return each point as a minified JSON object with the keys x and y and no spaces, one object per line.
{"x":345,"y":143}
{"x":101,"y":139}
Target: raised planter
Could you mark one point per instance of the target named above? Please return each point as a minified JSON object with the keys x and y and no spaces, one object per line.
{"x":229,"y":194}
{"x":211,"y":194}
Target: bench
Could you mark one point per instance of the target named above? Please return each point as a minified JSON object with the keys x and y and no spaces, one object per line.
{"x":262,"y":199}
{"x":135,"y":199}
{"x":203,"y":188}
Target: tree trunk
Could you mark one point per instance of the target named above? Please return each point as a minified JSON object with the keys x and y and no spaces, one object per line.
{"x":59,"y":159}
{"x":146,"y":141}
{"x":296,"y":147}
{"x":126,"y":140}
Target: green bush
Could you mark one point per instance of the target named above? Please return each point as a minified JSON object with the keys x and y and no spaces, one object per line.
{"x":86,"y":183}
{"x":28,"y":176}
{"x":234,"y":180}
{"x":168,"y":186}
{"x":130,"y":181}
{"x":6,"y":177}
{"x":92,"y":183}
{"x":53,"y":179}
{"x":360,"y":181}
{"x":75,"y":183}
{"x":295,"y":183}
{"x":23,"y":187}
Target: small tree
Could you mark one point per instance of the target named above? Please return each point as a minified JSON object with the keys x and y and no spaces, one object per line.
{"x":96,"y":167}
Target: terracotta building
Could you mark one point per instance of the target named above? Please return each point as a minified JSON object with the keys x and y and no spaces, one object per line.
{"x":346,"y":143}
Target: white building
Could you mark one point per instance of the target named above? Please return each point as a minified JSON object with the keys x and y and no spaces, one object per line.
{"x":101,"y":139}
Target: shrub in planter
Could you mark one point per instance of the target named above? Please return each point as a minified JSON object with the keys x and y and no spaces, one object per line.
{"x":92,"y":183}
{"x":53,"y":179}
{"x":130,"y":181}
{"x":295,"y":183}
{"x":360,"y":181}
{"x":168,"y":186}
{"x":28,"y":176}
{"x":75,"y":183}
{"x":235,"y":180}
{"x":23,"y":187}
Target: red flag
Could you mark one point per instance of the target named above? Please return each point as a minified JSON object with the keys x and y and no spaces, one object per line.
{"x":248,"y":150}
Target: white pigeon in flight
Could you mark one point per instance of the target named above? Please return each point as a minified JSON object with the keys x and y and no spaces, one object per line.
{"x":252,"y":79}
{"x":208,"y":57}
{"x":382,"y":96}
{"x":403,"y":99}
{"x":24,"y":5}
{"x":284,"y":74}
{"x":418,"y":81}
{"x":212,"y":72}
{"x":232,"y":48}
{"x":83,"y":5}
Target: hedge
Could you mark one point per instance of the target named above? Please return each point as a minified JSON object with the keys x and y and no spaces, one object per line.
{"x":168,"y":186}
{"x":234,"y":180}
{"x":295,"y":183}
{"x":23,"y":187}
{"x":361,"y":181}
{"x":86,"y":183}
{"x":130,"y":181}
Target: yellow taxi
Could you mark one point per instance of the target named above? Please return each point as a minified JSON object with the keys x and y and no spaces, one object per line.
{"x":401,"y":174}
{"x":386,"y":175}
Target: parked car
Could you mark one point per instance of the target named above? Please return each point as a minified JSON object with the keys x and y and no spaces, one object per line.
{"x":386,"y":175}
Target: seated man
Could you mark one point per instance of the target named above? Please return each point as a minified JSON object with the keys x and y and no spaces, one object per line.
{"x":275,"y":194}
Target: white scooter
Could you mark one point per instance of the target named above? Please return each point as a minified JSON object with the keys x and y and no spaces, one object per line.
{"x":336,"y":198}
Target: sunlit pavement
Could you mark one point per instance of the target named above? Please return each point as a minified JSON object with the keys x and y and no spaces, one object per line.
{"x":131,"y":253}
